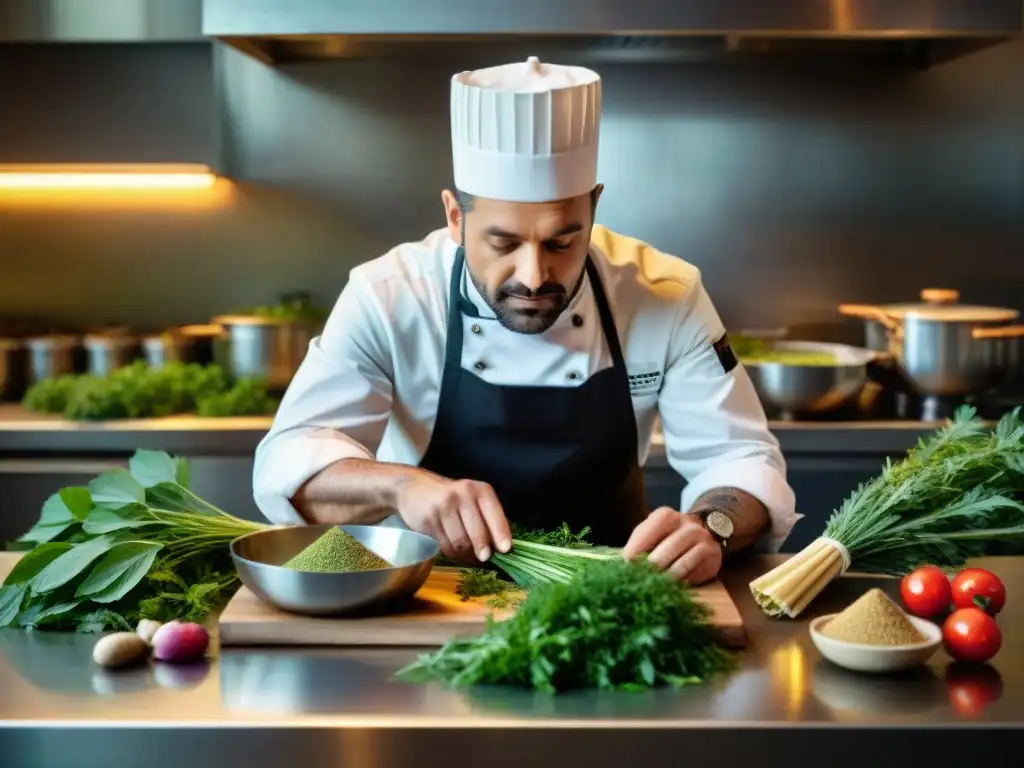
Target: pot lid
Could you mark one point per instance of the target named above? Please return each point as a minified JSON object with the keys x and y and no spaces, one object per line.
{"x":56,"y":341}
{"x":228,"y":320}
{"x":942,"y":304}
{"x":110,"y":340}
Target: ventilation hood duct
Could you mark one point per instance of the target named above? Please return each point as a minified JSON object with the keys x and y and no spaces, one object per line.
{"x":918,"y":31}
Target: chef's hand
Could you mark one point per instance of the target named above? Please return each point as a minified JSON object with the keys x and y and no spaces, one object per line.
{"x":677,"y":543}
{"x":464,"y":516}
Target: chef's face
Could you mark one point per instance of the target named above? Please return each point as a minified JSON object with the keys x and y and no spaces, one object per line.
{"x":526,"y":259}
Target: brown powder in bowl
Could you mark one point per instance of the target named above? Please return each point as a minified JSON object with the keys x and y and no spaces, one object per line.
{"x":873,"y":619}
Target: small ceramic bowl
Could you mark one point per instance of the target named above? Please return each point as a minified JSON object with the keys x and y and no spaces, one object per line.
{"x":877,"y":658}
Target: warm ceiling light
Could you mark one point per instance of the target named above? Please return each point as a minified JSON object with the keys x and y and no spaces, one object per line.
{"x":99,"y":177}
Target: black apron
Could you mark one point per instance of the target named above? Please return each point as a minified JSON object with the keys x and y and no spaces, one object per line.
{"x":552,"y":454}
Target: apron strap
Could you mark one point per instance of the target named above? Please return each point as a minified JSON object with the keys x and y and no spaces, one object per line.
{"x":607,"y":320}
{"x":453,"y":345}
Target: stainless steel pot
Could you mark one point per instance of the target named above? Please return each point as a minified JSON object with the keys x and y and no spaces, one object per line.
{"x":793,"y":389}
{"x":876,"y":335}
{"x":160,"y":349}
{"x":51,"y":356}
{"x":945,"y":349}
{"x":108,"y":352}
{"x":266,"y":348}
{"x":12,"y":369}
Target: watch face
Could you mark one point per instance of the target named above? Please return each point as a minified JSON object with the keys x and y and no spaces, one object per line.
{"x":719,"y":524}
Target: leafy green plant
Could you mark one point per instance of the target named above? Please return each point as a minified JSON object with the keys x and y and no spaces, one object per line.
{"x":138,"y":391}
{"x":50,"y":395}
{"x":613,"y":625}
{"x":135,"y":544}
{"x":245,"y":398}
{"x":955,"y":494}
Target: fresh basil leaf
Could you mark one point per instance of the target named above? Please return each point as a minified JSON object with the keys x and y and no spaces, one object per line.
{"x":53,"y":613}
{"x":169,"y":496}
{"x":152,"y":467}
{"x":119,"y":571}
{"x":183,"y":474}
{"x":78,"y":501}
{"x":117,"y":489}
{"x":35,"y":560}
{"x":54,"y":519}
{"x":11,"y":598}
{"x":104,"y":519}
{"x":175,"y":498}
{"x":68,"y":565}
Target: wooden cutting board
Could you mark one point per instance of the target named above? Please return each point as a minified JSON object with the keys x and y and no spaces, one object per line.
{"x":435,"y":616}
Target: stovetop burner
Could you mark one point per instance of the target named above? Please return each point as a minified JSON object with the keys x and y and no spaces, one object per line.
{"x":881,"y":404}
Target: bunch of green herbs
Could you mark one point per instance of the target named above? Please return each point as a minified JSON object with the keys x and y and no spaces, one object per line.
{"x":134,"y":544}
{"x":537,"y":556}
{"x":139,"y":391}
{"x":613,"y":625}
{"x":949,"y":499}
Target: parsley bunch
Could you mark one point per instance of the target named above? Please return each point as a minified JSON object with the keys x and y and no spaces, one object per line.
{"x":614,"y":625}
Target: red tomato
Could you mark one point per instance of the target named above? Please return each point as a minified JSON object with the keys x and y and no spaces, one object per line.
{"x":970,"y":634}
{"x":972,"y":687}
{"x":978,"y":588}
{"x":926,"y":592}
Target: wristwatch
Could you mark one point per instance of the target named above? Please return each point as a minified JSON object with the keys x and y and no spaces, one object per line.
{"x":718,"y":524}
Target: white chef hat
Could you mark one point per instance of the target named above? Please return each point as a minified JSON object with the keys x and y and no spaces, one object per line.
{"x":526,"y":132}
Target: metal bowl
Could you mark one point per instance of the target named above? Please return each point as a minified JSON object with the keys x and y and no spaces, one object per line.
{"x":259,"y":558}
{"x":811,"y":389}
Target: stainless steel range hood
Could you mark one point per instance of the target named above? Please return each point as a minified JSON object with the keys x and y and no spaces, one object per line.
{"x":286,"y":30}
{"x":109,"y":21}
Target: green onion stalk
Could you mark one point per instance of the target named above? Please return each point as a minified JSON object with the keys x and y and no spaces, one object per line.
{"x":528,"y":563}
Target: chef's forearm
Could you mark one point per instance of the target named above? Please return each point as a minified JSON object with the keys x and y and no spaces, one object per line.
{"x":749,"y":516}
{"x":351,"y":492}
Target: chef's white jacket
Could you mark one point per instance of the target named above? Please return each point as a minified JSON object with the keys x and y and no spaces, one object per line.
{"x":369,"y":385}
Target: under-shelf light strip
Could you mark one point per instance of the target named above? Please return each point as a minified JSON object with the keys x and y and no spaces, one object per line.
{"x":42,"y":178}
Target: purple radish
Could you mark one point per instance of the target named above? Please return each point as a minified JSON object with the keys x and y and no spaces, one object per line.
{"x":180,"y":641}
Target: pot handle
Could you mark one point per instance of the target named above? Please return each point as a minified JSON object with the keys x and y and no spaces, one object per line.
{"x":999,"y":332}
{"x":868,"y":312}
{"x":940,"y":296}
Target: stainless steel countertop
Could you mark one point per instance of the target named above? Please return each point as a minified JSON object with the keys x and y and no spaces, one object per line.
{"x":782,"y":702}
{"x":21,"y":432}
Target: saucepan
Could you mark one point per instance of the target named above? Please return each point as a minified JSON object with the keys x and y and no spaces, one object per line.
{"x":943,"y":348}
{"x":805,"y":377}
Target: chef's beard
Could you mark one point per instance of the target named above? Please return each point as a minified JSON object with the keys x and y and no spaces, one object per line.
{"x":524,"y":320}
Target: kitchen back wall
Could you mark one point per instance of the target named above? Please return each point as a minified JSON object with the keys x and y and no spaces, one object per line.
{"x":792,"y":188}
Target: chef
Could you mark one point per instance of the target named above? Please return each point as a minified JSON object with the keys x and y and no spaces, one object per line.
{"x":509,"y":367}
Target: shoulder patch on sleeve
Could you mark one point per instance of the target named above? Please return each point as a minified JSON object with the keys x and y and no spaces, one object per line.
{"x":726,"y":355}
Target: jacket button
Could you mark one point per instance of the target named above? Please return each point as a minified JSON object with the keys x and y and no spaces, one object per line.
{"x":479,"y":365}
{"x":577,"y":321}
{"x":475,"y":328}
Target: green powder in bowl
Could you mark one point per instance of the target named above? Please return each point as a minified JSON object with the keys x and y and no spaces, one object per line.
{"x":336,"y":552}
